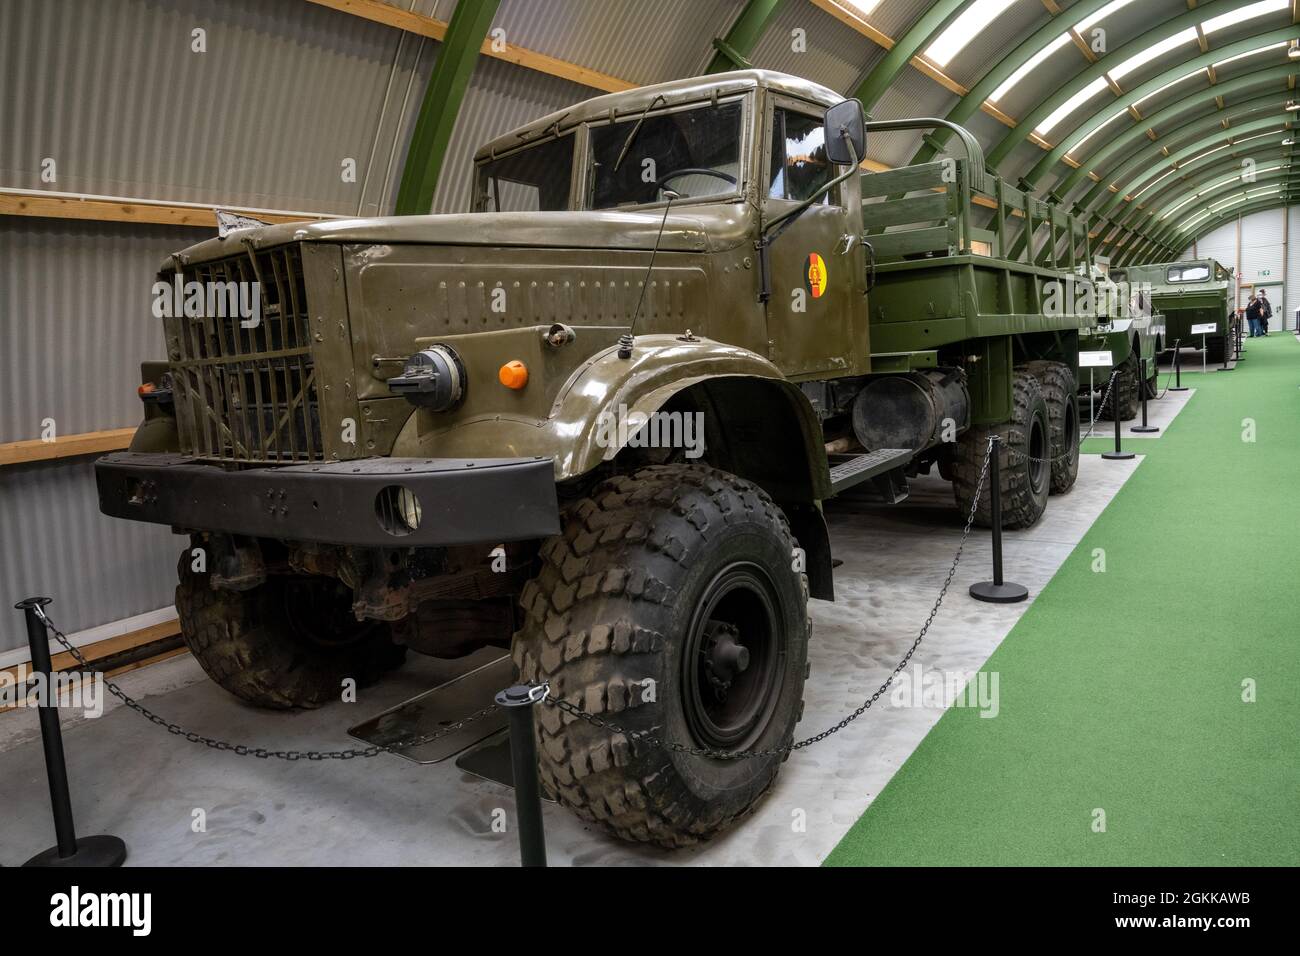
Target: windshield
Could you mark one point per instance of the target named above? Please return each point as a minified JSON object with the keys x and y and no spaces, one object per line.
{"x":694,"y":152}
{"x":1188,"y":273}
{"x":535,"y":179}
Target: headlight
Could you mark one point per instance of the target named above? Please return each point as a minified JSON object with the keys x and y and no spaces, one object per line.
{"x":408,"y":506}
{"x":432,"y":378}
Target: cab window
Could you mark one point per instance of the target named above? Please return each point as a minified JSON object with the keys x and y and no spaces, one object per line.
{"x":1188,"y":273}
{"x":799,"y":163}
{"x":535,"y":179}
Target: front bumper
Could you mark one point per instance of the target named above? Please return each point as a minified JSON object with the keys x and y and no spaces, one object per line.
{"x":463,"y":501}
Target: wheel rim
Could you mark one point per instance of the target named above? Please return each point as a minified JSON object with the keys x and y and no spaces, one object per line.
{"x":732,"y":658}
{"x":1038,"y":455}
{"x":319,"y":611}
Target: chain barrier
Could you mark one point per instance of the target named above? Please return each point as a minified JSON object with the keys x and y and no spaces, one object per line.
{"x":242,"y":750}
{"x":543,"y":693}
{"x":648,"y":737}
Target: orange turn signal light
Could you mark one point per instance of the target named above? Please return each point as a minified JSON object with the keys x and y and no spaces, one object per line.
{"x":513,"y":374}
{"x":145,"y":389}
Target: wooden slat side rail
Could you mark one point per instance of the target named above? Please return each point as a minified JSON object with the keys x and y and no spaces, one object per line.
{"x":896,"y":212}
{"x":905,"y":179}
{"x":65,"y":446}
{"x":913,"y":241}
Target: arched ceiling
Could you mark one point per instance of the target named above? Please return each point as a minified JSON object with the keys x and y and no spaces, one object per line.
{"x":1136,"y":113}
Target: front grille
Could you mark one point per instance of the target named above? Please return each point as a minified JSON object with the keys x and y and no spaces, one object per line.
{"x":248,"y":394}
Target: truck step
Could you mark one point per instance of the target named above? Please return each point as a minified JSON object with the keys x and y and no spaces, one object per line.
{"x":850,"y":470}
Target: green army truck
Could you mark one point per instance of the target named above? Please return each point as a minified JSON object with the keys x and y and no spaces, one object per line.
{"x":594,"y":420}
{"x":1123,"y":326}
{"x":1191,"y":293}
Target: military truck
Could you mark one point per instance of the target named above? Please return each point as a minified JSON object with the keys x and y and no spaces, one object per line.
{"x":1188,"y":293}
{"x":432,"y":435}
{"x":1125,"y":327}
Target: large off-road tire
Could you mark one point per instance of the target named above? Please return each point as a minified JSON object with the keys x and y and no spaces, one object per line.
{"x":656,"y":580}
{"x":1024,"y":447}
{"x":1060,"y":389}
{"x":1124,"y":393}
{"x":287,"y":643}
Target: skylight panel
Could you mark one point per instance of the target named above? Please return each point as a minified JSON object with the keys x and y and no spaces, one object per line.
{"x":1101,"y":14}
{"x":1029,"y":66}
{"x":1070,"y":105}
{"x":1245,"y":13}
{"x":1154,"y":50}
{"x":1097,"y":129}
{"x":1242,"y":56}
{"x":1169,"y":84}
{"x":965,"y":28}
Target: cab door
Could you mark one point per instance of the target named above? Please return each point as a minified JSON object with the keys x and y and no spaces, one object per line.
{"x":816,"y":263}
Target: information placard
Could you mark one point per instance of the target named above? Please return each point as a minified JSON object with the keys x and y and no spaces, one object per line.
{"x":1095,"y":359}
{"x":1207,"y":328}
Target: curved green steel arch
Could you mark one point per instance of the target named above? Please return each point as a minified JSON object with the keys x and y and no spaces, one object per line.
{"x":1204,"y":176}
{"x":1024,"y":51}
{"x":879,"y":78}
{"x":1122,"y":142}
{"x":1095,"y":70}
{"x":1150,"y":174}
{"x":1143,"y":90}
{"x":733,"y":50}
{"x":1153,"y":150}
{"x":1211,"y":191}
{"x":1169,"y":230}
{"x":1258,"y":205}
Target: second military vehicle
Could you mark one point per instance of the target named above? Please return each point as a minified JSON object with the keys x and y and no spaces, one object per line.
{"x":1191,"y":293}
{"x":589,"y":421}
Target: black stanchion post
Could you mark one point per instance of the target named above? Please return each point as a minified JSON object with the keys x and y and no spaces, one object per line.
{"x":997,"y":591}
{"x":518,"y":702}
{"x":1118,"y":454}
{"x":1144,"y":428}
{"x":68,"y":851}
{"x":1178,"y":385}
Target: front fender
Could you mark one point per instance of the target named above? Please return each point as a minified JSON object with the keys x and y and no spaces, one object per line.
{"x":571,"y":435}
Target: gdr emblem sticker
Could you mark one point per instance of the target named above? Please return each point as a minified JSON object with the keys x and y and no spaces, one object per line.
{"x":815,"y":279}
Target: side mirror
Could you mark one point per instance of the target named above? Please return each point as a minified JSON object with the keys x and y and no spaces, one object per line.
{"x":845,"y":125}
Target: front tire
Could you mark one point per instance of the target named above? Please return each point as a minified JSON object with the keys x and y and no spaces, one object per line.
{"x":289,"y":642}
{"x":669,"y":605}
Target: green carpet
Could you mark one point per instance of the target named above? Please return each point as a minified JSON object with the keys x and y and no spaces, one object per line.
{"x":1123,"y":690}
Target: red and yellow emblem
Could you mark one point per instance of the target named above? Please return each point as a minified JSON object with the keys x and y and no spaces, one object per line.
{"x":816,"y":277}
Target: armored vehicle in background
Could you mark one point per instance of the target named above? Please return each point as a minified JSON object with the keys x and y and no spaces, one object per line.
{"x":589,"y":421}
{"x":1190,"y":293}
{"x":1123,"y":326}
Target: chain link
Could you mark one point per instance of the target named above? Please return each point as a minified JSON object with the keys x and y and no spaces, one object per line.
{"x":648,"y":737}
{"x":243,"y":750}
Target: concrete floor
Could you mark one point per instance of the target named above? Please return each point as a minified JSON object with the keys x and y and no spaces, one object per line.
{"x":132,"y":779}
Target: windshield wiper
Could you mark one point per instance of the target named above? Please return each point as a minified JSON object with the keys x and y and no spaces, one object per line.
{"x":635,"y":129}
